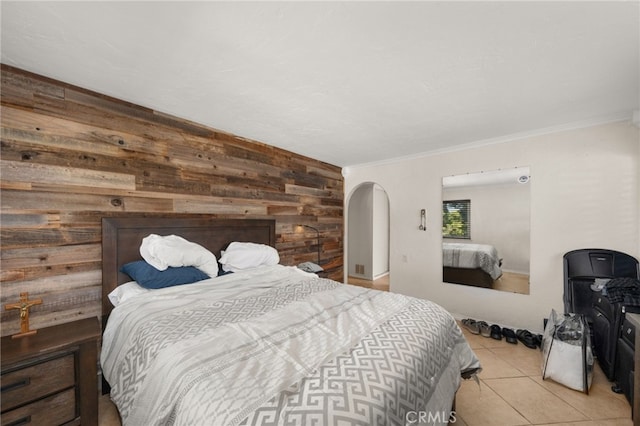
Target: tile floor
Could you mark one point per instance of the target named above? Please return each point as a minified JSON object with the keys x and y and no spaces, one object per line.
{"x":381,"y":283}
{"x":512,"y":392}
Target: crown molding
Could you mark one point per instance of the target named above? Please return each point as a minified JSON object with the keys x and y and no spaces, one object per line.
{"x":502,"y":139}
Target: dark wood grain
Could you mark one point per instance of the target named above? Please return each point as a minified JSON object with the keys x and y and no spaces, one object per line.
{"x":69,"y":157}
{"x":122,"y":237}
{"x":37,"y":381}
{"x":58,"y":370}
{"x":470,"y":276}
{"x":54,"y":410}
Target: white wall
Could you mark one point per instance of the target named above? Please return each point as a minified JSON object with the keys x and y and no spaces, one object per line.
{"x":359,"y":231}
{"x":368,"y":231}
{"x":584,"y":193}
{"x":380,"y":232}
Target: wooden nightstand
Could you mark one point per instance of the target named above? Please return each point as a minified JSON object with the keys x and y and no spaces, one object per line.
{"x":50,"y":378}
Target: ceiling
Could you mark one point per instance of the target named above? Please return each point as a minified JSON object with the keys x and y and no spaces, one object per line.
{"x":509,"y":176}
{"x":345,"y":82}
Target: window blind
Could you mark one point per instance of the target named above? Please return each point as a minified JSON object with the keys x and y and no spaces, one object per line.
{"x":456,"y":216}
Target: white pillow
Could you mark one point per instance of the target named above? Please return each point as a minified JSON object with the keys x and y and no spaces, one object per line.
{"x":240,"y":256}
{"x":172,"y":250}
{"x":126,"y":291}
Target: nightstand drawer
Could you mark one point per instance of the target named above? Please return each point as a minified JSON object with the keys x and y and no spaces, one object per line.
{"x":54,"y":410}
{"x":51,"y":376}
{"x":30,"y":383}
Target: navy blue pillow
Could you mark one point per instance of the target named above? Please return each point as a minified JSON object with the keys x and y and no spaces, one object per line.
{"x":149,"y":277}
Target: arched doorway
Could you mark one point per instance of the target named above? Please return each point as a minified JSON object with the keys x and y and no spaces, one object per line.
{"x":368,"y":237}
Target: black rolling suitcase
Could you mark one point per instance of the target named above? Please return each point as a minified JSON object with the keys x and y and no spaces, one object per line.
{"x":624,"y":361}
{"x":607,"y":321}
{"x":583,"y":269}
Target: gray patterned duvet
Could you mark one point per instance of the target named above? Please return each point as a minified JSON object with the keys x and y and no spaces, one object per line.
{"x":276,"y":346}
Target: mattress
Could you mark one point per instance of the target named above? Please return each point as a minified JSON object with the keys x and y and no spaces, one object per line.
{"x":471,"y":256}
{"x":279,"y":346}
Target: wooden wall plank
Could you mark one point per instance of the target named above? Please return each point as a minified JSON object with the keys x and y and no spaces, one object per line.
{"x":57,"y":175}
{"x":32,"y":257}
{"x":29,"y":126}
{"x":36,"y":200}
{"x":71,"y":157}
{"x":315,"y":192}
{"x":207,"y":207}
{"x":47,"y":271}
{"x":24,"y":220}
{"x":30,"y":83}
{"x":19,"y":238}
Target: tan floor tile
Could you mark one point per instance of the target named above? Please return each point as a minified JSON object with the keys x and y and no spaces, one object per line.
{"x":459,"y":422}
{"x":599,"y":404}
{"x":475,"y":340}
{"x":615,"y":422}
{"x":495,"y":367}
{"x":480,"y":405}
{"x":601,"y":381}
{"x":107,"y":412}
{"x":533,"y":401}
{"x":493,"y":343}
{"x":528,"y":361}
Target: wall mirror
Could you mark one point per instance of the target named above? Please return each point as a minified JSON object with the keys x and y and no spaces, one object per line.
{"x":485,"y":229}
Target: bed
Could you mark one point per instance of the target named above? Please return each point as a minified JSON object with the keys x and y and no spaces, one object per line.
{"x":270,"y":344}
{"x":471,"y":264}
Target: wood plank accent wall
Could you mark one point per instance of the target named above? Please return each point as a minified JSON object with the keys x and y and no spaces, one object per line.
{"x":70,"y":157}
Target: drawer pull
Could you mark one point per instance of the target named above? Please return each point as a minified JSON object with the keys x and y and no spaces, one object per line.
{"x":17,"y":385}
{"x":22,"y":421}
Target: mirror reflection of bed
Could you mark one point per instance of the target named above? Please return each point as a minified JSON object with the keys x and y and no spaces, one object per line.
{"x":486,"y":224}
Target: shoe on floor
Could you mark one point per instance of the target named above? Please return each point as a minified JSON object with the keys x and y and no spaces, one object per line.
{"x":527,"y":338}
{"x":471,"y":325}
{"x":510,"y":336}
{"x":496,"y":332}
{"x":537,"y":339}
{"x":485,"y":330}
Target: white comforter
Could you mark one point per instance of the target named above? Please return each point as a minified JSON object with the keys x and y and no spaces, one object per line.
{"x":278,"y":346}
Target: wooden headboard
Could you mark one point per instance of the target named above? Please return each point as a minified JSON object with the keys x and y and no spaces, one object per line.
{"x":121,"y":238}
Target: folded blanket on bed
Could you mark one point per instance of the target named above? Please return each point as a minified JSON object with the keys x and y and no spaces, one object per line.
{"x":172,"y":250}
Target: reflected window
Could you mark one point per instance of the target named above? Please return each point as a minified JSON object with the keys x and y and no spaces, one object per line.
{"x":455,"y":219}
